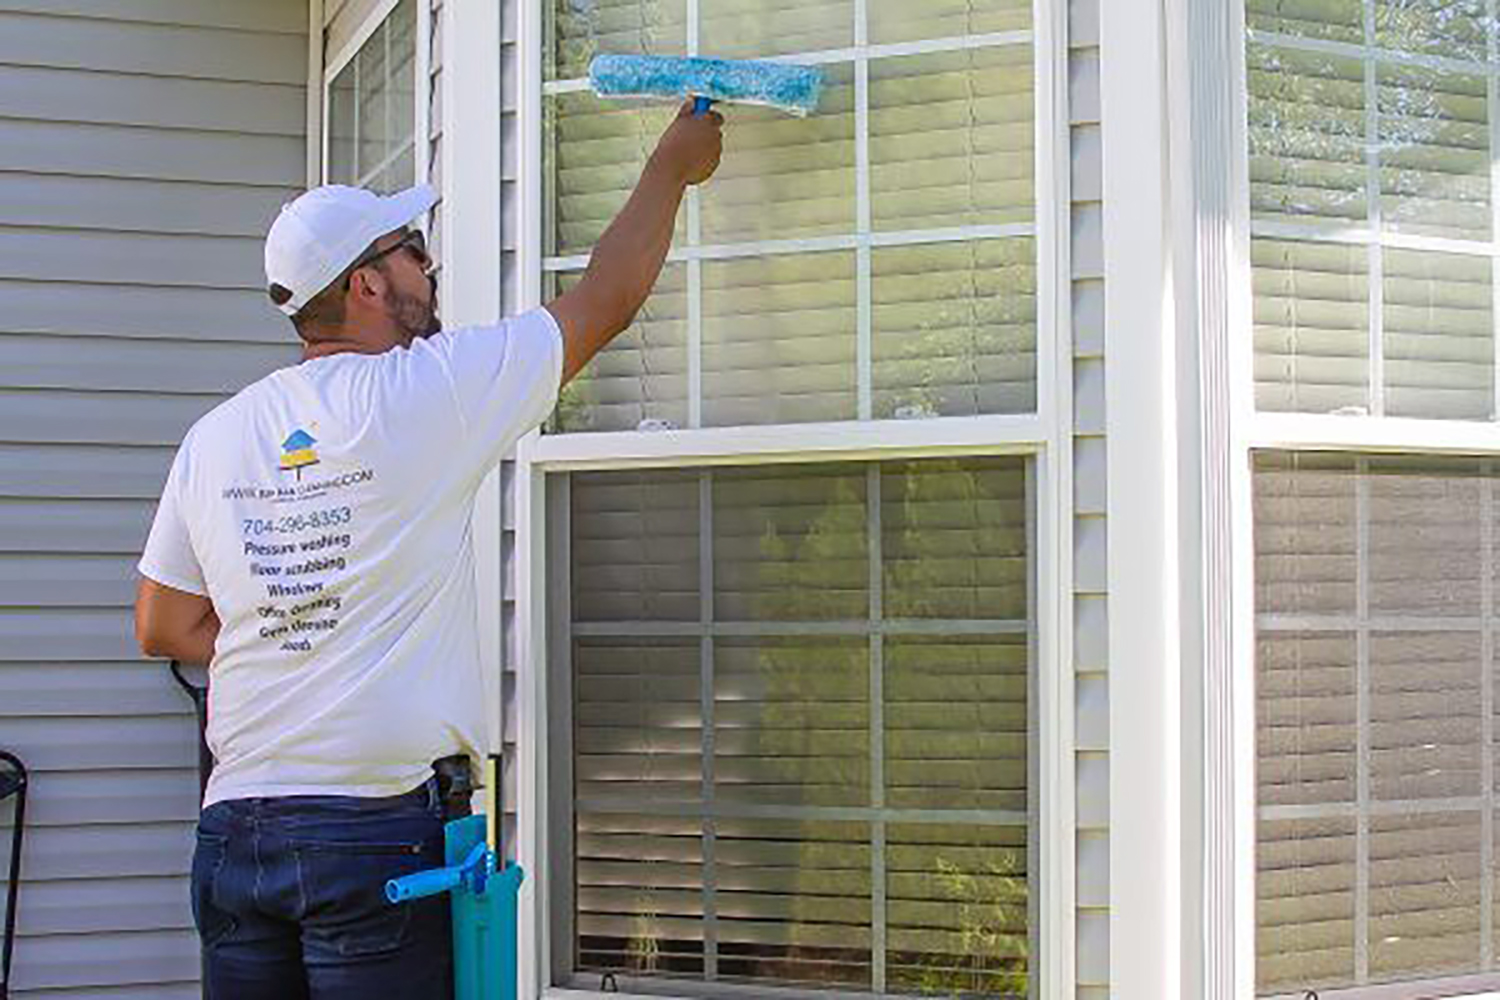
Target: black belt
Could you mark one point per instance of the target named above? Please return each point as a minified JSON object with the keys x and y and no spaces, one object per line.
{"x":455,"y":783}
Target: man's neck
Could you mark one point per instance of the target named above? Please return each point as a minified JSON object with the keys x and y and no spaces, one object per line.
{"x":349,"y":341}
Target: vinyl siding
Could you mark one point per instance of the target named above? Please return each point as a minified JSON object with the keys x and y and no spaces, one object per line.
{"x":1091,"y":621}
{"x":145,"y":145}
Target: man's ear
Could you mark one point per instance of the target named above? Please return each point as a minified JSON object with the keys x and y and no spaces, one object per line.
{"x":367,"y":284}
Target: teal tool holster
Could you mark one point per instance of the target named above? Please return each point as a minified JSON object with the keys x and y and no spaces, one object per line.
{"x":484,"y":910}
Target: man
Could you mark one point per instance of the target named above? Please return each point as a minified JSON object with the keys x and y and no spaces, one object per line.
{"x":313,"y":546}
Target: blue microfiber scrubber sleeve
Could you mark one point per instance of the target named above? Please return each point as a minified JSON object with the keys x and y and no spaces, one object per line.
{"x":735,"y":81}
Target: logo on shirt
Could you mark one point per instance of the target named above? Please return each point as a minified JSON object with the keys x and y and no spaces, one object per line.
{"x":297,"y":452}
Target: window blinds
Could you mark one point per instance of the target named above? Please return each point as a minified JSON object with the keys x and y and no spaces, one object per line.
{"x":1371,"y":141}
{"x":1376,"y":602}
{"x":875,"y":260}
{"x":800,"y":719}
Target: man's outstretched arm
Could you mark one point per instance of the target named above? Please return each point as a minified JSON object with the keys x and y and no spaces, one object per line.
{"x":629,"y":256}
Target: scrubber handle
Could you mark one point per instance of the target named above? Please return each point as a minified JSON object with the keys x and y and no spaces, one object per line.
{"x":701,"y":106}
{"x":422,"y":884}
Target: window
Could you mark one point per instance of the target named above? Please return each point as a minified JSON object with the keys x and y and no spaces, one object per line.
{"x":1372,"y":137}
{"x":1376,"y":750}
{"x":875,"y":260}
{"x":371,"y":102}
{"x":800,"y":706}
{"x":794,"y":637}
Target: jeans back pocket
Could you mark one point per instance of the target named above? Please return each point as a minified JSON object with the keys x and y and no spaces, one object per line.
{"x":343,"y":887}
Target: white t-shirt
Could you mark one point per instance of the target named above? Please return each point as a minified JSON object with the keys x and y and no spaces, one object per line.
{"x":326,"y":511}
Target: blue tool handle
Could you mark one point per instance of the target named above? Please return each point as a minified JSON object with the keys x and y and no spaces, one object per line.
{"x":701,"y":106}
{"x":428,"y":883}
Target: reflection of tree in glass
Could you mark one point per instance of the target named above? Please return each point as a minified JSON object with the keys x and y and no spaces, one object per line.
{"x":644,"y":947}
{"x":954,"y":539}
{"x":1309,"y":123}
{"x":988,"y":904}
{"x":807,"y":737}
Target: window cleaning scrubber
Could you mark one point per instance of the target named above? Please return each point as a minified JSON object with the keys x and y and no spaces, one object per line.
{"x":789,"y":88}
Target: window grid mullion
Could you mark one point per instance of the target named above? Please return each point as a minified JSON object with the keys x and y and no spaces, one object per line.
{"x":1375,"y":291}
{"x":388,"y":106}
{"x":694,"y":264}
{"x":706,"y":703}
{"x":877,"y":731}
{"x":1492,"y":112}
{"x":1487,"y":715}
{"x":1362,"y":766}
{"x":359,"y":105}
{"x":864,"y":346}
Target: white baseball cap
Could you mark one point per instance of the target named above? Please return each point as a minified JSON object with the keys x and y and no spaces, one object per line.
{"x":325,"y":230}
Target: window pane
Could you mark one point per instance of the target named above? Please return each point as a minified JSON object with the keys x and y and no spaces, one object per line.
{"x":1376,"y":667}
{"x":635,"y":547}
{"x":1451,"y":28}
{"x":749,"y":763}
{"x":778,"y":339}
{"x":1304,"y":893}
{"x":957,"y":910}
{"x":581,"y":29}
{"x":904,"y":21}
{"x":1329,"y":20}
{"x":1307,"y":132}
{"x":1434,"y":152}
{"x":794,"y":903}
{"x":956,"y":723}
{"x":954,"y":329}
{"x":594,"y":154}
{"x":1312,"y":315}
{"x":773,"y":742}
{"x":782,"y":177}
{"x":638,"y":720}
{"x":640,"y":381}
{"x":951,"y":139}
{"x":740,"y":29}
{"x":375,"y":96}
{"x":1424,"y":894}
{"x":342,"y":107}
{"x":1425,"y":727}
{"x":790,"y":544}
{"x":1439,"y":335}
{"x":953,"y":540}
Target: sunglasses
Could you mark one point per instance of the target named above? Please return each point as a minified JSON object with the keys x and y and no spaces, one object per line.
{"x":413,"y":243}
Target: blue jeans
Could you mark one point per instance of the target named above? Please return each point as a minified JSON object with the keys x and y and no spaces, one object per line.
{"x":289,"y":899}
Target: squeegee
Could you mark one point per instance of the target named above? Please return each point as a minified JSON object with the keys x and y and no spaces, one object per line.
{"x":789,"y":88}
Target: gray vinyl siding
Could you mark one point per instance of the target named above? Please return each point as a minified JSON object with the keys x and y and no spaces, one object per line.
{"x":510,"y":285}
{"x":145,"y":145}
{"x":1091,"y":623}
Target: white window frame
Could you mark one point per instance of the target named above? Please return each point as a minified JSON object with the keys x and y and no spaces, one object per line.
{"x":1208,"y":54}
{"x":1045,"y":437}
{"x":334,"y":63}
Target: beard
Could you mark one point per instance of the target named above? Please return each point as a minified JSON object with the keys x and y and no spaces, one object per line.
{"x":415,"y":318}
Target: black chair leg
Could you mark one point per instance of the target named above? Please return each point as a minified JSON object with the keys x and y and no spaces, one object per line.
{"x":13,"y":786}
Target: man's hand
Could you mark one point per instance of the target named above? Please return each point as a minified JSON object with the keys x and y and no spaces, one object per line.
{"x":174,"y":624}
{"x":692,"y":144}
{"x":629,"y":256}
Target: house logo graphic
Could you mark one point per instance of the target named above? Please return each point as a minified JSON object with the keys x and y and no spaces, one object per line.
{"x":297,"y":452}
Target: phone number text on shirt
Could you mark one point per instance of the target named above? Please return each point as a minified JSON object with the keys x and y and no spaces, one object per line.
{"x":291,"y":524}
